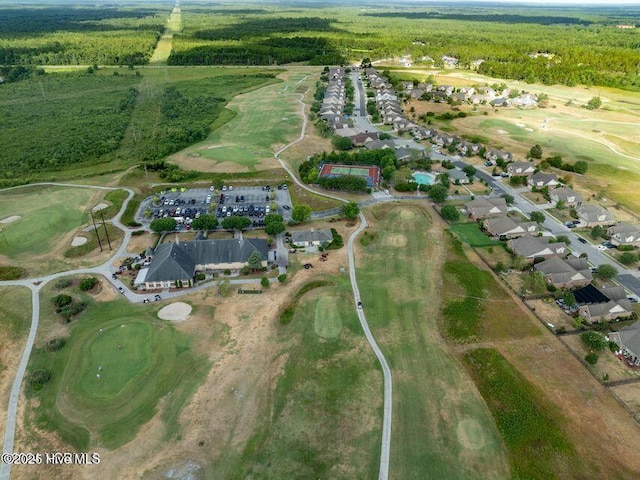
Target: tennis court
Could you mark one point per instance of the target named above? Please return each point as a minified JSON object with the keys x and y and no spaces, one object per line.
{"x":370,"y":173}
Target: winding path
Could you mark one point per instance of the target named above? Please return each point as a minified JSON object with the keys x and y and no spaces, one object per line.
{"x":105,"y":270}
{"x":385,"y":449}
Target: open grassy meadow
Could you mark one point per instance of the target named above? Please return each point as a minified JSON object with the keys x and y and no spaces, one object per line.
{"x":261,"y":120}
{"x":324,"y":414}
{"x":118,"y":361}
{"x":441,"y":426}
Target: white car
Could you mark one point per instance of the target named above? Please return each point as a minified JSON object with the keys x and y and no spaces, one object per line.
{"x":601,"y":247}
{"x":230,"y":188}
{"x":224,"y":188}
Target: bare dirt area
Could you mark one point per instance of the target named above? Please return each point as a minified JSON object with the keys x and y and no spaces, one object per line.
{"x":140,"y":243}
{"x":630,"y":395}
{"x":549,"y":312}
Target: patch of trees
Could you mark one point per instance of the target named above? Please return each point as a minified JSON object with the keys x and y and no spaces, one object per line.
{"x":349,"y":183}
{"x":205,"y":222}
{"x":351,"y":210}
{"x":67,"y":307}
{"x":235,"y":223}
{"x":301,"y":213}
{"x":10,"y":74}
{"x":581,"y":166}
{"x":487,"y":17}
{"x":87,"y":284}
{"x":160,"y":225}
{"x":273,"y":224}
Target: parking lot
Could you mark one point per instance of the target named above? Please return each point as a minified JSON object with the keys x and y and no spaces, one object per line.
{"x":185,"y":205}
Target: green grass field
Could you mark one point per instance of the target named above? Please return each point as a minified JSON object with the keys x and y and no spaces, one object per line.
{"x":441,"y":426}
{"x":15,"y":311}
{"x":529,"y":424}
{"x":47,"y":215}
{"x":471,"y":234}
{"x":263,"y":118}
{"x":323,"y":417}
{"x":140,"y":360}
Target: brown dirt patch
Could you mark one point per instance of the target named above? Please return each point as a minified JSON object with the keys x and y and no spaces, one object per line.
{"x":396,"y":240}
{"x":549,"y":312}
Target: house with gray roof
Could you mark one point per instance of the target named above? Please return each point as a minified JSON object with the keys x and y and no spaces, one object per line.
{"x":177,"y":262}
{"x":565,"y":273}
{"x":379,"y":144}
{"x":570,"y":197}
{"x":624,"y":234}
{"x":494,"y":154}
{"x":312,"y":237}
{"x":468,"y":148}
{"x":482,"y":207}
{"x":521,"y":168}
{"x":507,"y":227}
{"x":592,"y":215}
{"x":537,"y":247}
{"x":541,"y":180}
{"x":628,"y":339}
{"x":457,"y":176}
{"x":602,"y":304}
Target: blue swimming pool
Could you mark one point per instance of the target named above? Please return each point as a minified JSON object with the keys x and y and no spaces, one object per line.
{"x":423,"y":178}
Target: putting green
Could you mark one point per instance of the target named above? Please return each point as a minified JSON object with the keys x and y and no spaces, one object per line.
{"x":119,"y":355}
{"x":327,"y":322}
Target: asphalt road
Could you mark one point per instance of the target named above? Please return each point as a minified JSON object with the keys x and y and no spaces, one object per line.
{"x":627,"y":278}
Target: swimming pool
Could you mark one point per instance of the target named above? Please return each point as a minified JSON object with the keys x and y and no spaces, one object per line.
{"x":423,"y":178}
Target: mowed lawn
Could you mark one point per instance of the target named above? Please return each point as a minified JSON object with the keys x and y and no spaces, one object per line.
{"x":118,"y":362}
{"x":47,"y":215}
{"x":264,"y":118}
{"x":441,"y":426}
{"x":471,"y":234}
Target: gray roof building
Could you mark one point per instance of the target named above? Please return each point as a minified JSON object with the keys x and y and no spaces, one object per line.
{"x":628,"y":339}
{"x":569,"y":273}
{"x":566,"y":195}
{"x":311,"y":237}
{"x":536,"y":247}
{"x":592,"y":215}
{"x":482,"y":207}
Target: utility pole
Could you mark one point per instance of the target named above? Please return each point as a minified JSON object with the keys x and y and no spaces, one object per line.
{"x":105,"y":229}
{"x":95,"y":229}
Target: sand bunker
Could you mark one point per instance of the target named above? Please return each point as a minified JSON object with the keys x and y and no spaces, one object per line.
{"x":529,"y":129}
{"x":502,"y":132}
{"x":10,"y":219}
{"x":521,"y":125}
{"x":77,"y":241}
{"x":100,"y":206}
{"x":176,"y":312}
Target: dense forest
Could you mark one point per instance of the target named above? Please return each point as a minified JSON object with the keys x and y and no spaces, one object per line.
{"x":64,"y":35}
{"x":579,"y":46}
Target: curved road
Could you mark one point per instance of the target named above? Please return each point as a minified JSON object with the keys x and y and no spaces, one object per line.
{"x":105,"y":270}
{"x":385,"y":449}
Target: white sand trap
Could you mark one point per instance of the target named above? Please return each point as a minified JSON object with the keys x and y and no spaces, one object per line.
{"x":502,"y":132}
{"x":175,"y":312}
{"x":77,"y":241}
{"x":529,"y":129}
{"x":100,"y":206}
{"x":521,"y":125}
{"x":10,"y":219}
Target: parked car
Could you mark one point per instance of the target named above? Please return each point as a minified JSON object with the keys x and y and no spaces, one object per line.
{"x":582,"y":240}
{"x":360,"y":305}
{"x":286,"y":207}
{"x":121,"y":290}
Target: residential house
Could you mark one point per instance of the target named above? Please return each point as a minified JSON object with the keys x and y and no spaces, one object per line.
{"x":494,"y":154}
{"x":537,"y":247}
{"x":459,"y":97}
{"x":379,"y":144}
{"x":457,"y":176}
{"x":447,"y":89}
{"x":403,"y":154}
{"x":628,"y":339}
{"x":423,"y":133}
{"x":570,"y":197}
{"x":525,"y":100}
{"x":312,"y":237}
{"x":468,"y":148}
{"x":506,"y":227}
{"x":482,"y":207}
{"x":407,"y":86}
{"x":362,"y":138}
{"x":417,"y":93}
{"x":443,"y":140}
{"x":177,"y":262}
{"x":592,"y":215}
{"x":565,"y":273}
{"x":402,"y":125}
{"x":500,"y":102}
{"x":541,"y":180}
{"x":602,"y":304}
{"x":624,"y":234}
{"x":521,"y":168}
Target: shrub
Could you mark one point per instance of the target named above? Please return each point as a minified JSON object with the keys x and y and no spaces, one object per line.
{"x":63,"y":283}
{"x":39,"y":378}
{"x":88,"y":283}
{"x":54,"y":344}
{"x":282,"y":277}
{"x":227,"y":271}
{"x":627,"y":258}
{"x":200,"y":276}
{"x":264,"y":281}
{"x":450,"y":212}
{"x":591,"y":358}
{"x":62,"y":300}
{"x":245,"y":270}
{"x":625,"y":248}
{"x":136,"y":233}
{"x":593,"y":340}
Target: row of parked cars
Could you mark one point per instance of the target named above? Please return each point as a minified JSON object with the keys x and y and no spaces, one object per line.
{"x":186,"y":212}
{"x":243,"y":210}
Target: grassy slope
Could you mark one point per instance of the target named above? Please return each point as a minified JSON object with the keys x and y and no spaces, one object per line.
{"x":441,"y":428}
{"x":324,"y":420}
{"x":110,"y":414}
{"x":15,"y":311}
